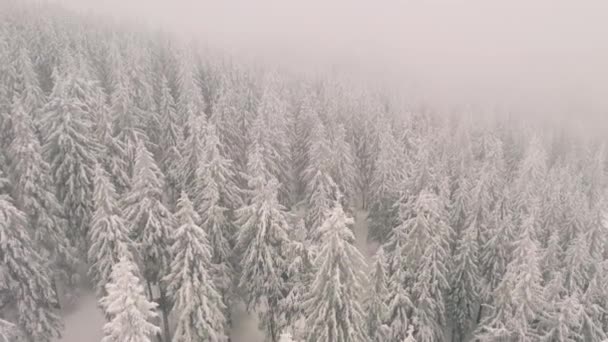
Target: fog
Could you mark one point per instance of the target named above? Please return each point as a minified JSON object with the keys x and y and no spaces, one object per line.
{"x":541,"y":57}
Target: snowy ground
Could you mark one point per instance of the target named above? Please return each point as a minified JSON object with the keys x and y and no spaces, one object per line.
{"x":83,"y":323}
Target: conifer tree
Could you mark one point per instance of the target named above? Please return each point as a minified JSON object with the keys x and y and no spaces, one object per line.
{"x":170,"y":141}
{"x":427,"y":251}
{"x":24,"y":276}
{"x":375,"y":306}
{"x":192,"y":152}
{"x":150,"y":224}
{"x":108,"y":237}
{"x":27,"y":85}
{"x":333,"y":307}
{"x":400,"y":306}
{"x":465,"y":281}
{"x":518,"y":301}
{"x":190,"y":283}
{"x":343,"y":169}
{"x":34,"y":195}
{"x":126,"y":305}
{"x":113,"y":155}
{"x":71,"y":151}
{"x":261,"y":244}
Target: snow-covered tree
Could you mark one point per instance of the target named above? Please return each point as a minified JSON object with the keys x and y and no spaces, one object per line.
{"x":375,"y":305}
{"x":333,"y":306}
{"x":109,"y":236}
{"x":518,"y":301}
{"x":24,"y":279}
{"x":150,"y":223}
{"x":27,"y":86}
{"x":399,"y":316}
{"x":34,"y":194}
{"x":113,"y":153}
{"x":427,"y":252}
{"x":343,"y":168}
{"x":215,"y":167}
{"x":130,"y":312}
{"x":198,"y":304}
{"x":170,"y":141}
{"x":192,"y":152}
{"x":261,"y":245}
{"x":71,"y":151}
{"x":127,"y":117}
{"x":465,"y":281}
{"x":323,"y":194}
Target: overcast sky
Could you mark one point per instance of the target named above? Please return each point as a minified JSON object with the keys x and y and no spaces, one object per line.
{"x":548,"y":56}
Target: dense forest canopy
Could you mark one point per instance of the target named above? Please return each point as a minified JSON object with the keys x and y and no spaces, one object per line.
{"x":177,"y":182}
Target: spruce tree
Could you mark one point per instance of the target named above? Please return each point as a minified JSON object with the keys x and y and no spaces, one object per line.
{"x":130,"y":313}
{"x":170,"y":141}
{"x":34,"y":194}
{"x":333,"y":305}
{"x":71,"y":151}
{"x":465,"y":281}
{"x":108,"y":237}
{"x":375,"y":306}
{"x":198,"y":304}
{"x":24,"y":276}
{"x":261,"y":244}
{"x":150,"y":224}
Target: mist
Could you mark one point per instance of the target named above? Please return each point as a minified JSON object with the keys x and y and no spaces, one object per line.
{"x":546,"y":57}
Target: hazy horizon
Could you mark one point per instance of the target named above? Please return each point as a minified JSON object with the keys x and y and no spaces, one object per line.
{"x":546,"y":58}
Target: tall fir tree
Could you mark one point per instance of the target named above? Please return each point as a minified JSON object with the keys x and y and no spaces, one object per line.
{"x":150,"y":224}
{"x":34,"y":194}
{"x":130,"y":312}
{"x":109,"y":236}
{"x":199,"y":306}
{"x":71,"y":151}
{"x":261,"y":244}
{"x":333,"y":306}
{"x":25,"y":282}
{"x":375,"y":305}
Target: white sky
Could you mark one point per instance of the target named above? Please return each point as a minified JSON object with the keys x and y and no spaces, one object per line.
{"x":547,"y":56}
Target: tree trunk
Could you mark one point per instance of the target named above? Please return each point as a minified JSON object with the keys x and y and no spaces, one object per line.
{"x":164,"y":307}
{"x":151,"y":298}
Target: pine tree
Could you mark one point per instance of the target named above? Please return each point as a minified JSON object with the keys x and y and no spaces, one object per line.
{"x":427,"y":251}
{"x":464,"y":297}
{"x":323,"y":194}
{"x":71,"y":151}
{"x":190,"y":99}
{"x":216,"y":195}
{"x":150,"y":223}
{"x":24,"y":276}
{"x":170,"y":140}
{"x":375,"y":306}
{"x":299,"y":273}
{"x":125,"y":303}
{"x":27,"y":85}
{"x":193,"y":152}
{"x":261,"y":244}
{"x":190,"y":284}
{"x":333,"y":305}
{"x":113,"y":156}
{"x":34,"y":195}
{"x":215,"y":167}
{"x":127,"y":117}
{"x":108,"y":237}
{"x":400,"y":306}
{"x":343,"y":168}
{"x":518,"y":301}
